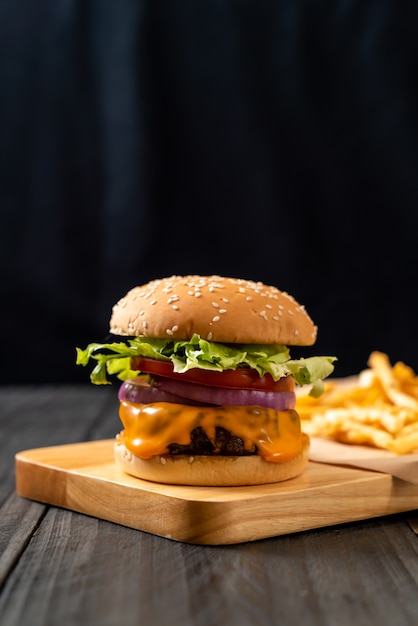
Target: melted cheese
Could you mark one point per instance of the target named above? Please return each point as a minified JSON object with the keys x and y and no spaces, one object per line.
{"x":150,"y":428}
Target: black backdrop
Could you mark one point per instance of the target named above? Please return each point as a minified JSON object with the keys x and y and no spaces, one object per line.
{"x":267,"y":139}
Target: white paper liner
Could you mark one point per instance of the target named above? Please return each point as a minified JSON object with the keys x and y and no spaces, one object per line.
{"x":331,"y":452}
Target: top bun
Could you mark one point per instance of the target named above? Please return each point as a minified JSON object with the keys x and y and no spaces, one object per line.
{"x":224,"y":310}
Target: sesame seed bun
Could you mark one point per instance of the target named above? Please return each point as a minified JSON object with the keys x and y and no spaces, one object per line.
{"x":211,"y":471}
{"x":224,"y":310}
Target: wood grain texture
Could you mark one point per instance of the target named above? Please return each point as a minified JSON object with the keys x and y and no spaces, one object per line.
{"x":79,"y":570}
{"x":84,"y":478}
{"x":412,"y":520}
{"x":45,"y":415}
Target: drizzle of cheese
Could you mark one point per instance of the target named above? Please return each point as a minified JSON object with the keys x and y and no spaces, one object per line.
{"x":150,"y":428}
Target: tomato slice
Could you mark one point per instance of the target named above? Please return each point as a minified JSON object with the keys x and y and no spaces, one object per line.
{"x":241,"y":378}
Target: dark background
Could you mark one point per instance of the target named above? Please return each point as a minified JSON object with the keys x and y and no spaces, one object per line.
{"x":268,"y":139}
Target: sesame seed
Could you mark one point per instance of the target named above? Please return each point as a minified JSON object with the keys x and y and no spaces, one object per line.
{"x":197,"y":294}
{"x":209,"y":336}
{"x":141,"y":312}
{"x":263,"y":314}
{"x":225,"y":300}
{"x":175,"y":307}
{"x":275,"y":317}
{"x":153,"y":302}
{"x":222,"y":310}
{"x":174,"y":328}
{"x":163,"y":460}
{"x":249,"y":298}
{"x":268,"y":306}
{"x":215,"y":304}
{"x":290,"y":312}
{"x":169,"y":331}
{"x":216,"y":318}
{"x":296,"y":332}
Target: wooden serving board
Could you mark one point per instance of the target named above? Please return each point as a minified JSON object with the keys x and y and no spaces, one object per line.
{"x":84,"y":478}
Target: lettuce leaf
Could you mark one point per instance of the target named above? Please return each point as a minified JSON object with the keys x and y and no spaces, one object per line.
{"x":114,"y":359}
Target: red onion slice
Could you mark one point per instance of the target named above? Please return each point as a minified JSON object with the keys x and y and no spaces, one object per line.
{"x":139,"y":391}
{"x":223,"y":396}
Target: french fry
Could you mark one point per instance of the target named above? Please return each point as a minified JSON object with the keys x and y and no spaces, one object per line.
{"x":379,"y":363}
{"x":368,"y":435}
{"x":404,"y":444}
{"x":378,"y":408}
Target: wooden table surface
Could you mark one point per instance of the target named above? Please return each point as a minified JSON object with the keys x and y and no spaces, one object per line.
{"x":61,"y":567}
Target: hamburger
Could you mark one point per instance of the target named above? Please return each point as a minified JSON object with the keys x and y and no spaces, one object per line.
{"x":208,"y":384}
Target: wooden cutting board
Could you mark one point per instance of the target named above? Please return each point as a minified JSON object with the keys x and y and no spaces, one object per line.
{"x":84,"y":478}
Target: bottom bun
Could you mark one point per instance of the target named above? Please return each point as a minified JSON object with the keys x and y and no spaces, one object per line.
{"x":211,"y":471}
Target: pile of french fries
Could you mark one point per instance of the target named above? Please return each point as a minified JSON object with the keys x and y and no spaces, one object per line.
{"x":378,"y":408}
